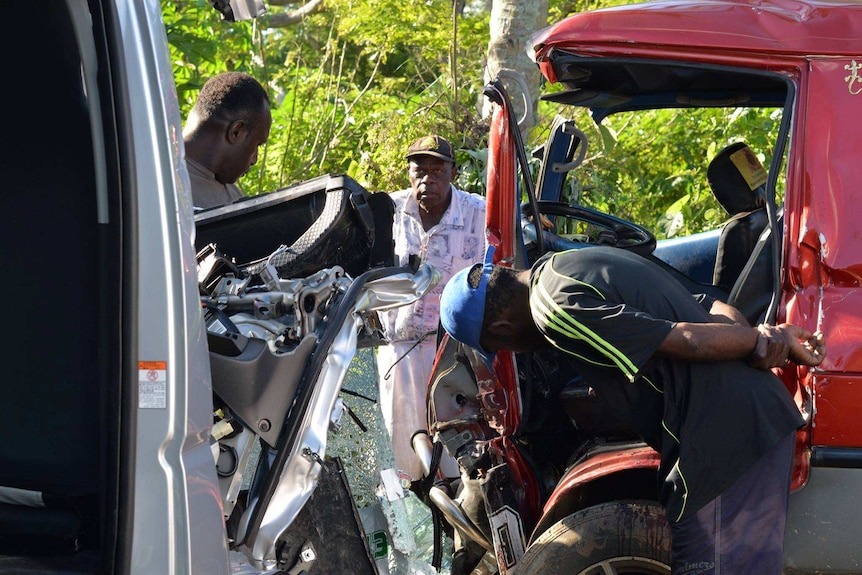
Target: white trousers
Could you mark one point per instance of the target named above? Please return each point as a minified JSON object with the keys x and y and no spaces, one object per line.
{"x":403,"y":386}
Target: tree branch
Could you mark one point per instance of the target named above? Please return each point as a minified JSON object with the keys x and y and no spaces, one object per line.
{"x":284,"y":19}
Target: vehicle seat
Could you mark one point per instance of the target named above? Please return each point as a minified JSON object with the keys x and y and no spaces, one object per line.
{"x":752,"y":292}
{"x":737,"y":179}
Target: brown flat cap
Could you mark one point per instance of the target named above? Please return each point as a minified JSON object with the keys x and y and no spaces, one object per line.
{"x":434,"y":146}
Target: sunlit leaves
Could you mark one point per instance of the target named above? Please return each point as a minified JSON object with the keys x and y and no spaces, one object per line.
{"x":202,"y":45}
{"x":354,"y":83}
{"x":351,"y":85}
{"x":650,"y":167}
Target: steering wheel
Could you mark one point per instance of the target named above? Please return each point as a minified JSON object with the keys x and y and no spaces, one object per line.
{"x":594,"y":228}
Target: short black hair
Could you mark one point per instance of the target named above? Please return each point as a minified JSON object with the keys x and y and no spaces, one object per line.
{"x":501,"y":292}
{"x":231,"y":96}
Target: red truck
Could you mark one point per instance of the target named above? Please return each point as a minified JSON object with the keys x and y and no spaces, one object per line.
{"x":550,"y":482}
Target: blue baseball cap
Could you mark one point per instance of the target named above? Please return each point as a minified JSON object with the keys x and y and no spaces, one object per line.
{"x":462,"y":307}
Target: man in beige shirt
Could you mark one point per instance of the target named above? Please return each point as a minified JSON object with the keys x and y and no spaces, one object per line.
{"x":228,"y":123}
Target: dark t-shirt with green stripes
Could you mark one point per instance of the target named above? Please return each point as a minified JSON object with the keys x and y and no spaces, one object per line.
{"x":610,"y":310}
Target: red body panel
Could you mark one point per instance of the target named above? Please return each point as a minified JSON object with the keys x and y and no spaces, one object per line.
{"x":601,"y":465}
{"x":823,"y":242}
{"x":837,"y":400}
{"x":501,"y":210}
{"x":500,"y":220}
{"x":499,"y":394}
{"x":767,"y":26}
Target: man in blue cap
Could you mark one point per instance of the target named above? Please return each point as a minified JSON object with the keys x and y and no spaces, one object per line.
{"x":687,"y":373}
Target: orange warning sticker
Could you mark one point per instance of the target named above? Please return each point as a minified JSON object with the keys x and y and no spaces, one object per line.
{"x":152,"y":365}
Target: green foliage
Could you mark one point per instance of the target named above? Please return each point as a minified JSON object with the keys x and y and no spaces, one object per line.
{"x":384,"y":25}
{"x":202,"y":45}
{"x":562,"y":8}
{"x":351,"y":86}
{"x":355,"y":83}
{"x":650,"y":167}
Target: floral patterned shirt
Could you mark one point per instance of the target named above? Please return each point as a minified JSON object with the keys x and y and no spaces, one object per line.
{"x":458,"y":241}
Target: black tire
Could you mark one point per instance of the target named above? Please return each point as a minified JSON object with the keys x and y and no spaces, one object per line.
{"x":619,"y":538}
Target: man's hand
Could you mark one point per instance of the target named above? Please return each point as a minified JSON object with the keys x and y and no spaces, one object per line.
{"x":780,"y":344}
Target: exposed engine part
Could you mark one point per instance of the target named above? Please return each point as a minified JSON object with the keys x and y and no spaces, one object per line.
{"x":456,"y":516}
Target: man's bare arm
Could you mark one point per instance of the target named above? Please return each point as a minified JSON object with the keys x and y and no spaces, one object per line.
{"x":764,"y":346}
{"x":723,"y":313}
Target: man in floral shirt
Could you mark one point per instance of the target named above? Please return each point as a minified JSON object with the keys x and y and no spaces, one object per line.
{"x":445,"y":227}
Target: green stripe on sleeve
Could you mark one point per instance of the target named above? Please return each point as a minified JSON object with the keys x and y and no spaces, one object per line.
{"x":564,"y":323}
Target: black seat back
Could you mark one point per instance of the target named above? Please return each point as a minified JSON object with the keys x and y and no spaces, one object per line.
{"x":737,"y":180}
{"x":753,"y":290}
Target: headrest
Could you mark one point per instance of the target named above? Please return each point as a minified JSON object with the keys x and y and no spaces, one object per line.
{"x":737,"y":179}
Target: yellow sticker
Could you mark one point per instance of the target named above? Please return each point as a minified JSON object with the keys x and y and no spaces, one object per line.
{"x":750,"y":167}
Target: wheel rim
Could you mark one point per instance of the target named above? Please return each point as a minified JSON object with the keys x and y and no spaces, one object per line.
{"x":627,"y":566}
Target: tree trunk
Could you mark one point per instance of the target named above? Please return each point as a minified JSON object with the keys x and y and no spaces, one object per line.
{"x":513,"y":22}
